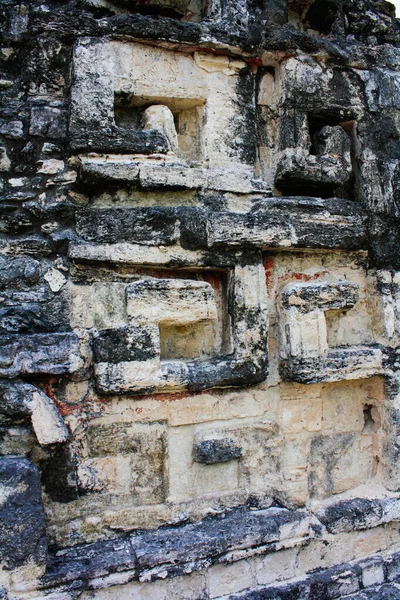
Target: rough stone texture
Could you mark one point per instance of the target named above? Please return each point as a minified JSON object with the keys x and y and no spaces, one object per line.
{"x":23,"y":535}
{"x":199,"y":299}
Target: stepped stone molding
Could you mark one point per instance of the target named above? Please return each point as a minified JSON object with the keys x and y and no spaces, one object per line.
{"x":305,"y":356}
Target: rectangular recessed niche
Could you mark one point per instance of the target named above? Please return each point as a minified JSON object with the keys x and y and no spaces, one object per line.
{"x":188,"y":114}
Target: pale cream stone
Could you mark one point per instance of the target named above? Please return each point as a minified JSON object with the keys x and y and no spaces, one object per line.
{"x":55,"y":279}
{"x":174,"y":302}
{"x":215,"y":478}
{"x":230,"y":578}
{"x":300,"y":414}
{"x":343,"y":407}
{"x":51,"y":166}
{"x":81,"y":306}
{"x":277,"y":566}
{"x":160,"y":117}
{"x":210,"y":407}
{"x":47,"y":422}
{"x":109,"y":305}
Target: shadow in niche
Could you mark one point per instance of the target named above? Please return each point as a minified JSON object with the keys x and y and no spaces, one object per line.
{"x":323,"y":129}
{"x":318,"y":15}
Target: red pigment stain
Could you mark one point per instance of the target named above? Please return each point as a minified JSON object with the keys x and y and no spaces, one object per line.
{"x":269,"y":270}
{"x":48,"y":388}
{"x":304,"y":277}
{"x":83,"y":407}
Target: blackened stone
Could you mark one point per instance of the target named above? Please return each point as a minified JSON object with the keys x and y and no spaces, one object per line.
{"x":58,"y":471}
{"x":90,"y":560}
{"x":289,"y":591}
{"x":392,"y":564}
{"x":150,"y":226}
{"x":339,"y":364}
{"x":321,"y":295}
{"x":121,"y":141}
{"x":13,"y":396}
{"x":52,"y":353}
{"x":212,"y":537}
{"x":210,"y":452}
{"x":124,"y":344}
{"x":22,"y":524}
{"x":48,"y":122}
{"x":351,"y":515}
{"x":322,"y":14}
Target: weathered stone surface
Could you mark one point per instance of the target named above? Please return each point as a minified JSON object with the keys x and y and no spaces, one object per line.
{"x":339,"y":364}
{"x":210,"y":452}
{"x":198,"y":196}
{"x":22,"y":531}
{"x":39,"y":353}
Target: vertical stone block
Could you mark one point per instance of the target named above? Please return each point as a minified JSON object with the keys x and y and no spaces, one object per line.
{"x":22,"y":524}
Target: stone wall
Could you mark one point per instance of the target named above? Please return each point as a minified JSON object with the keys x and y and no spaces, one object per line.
{"x":199,"y":300}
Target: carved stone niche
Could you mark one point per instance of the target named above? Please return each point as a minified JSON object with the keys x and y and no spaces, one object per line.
{"x":158,"y":118}
{"x":304,"y":353}
{"x":167,"y":332}
{"x":307,"y":129}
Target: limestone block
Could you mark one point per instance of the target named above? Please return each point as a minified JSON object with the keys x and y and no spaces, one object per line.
{"x":325,"y":172}
{"x":176,"y":301}
{"x":109,"y":305}
{"x":22,"y":531}
{"x":277,"y":567}
{"x":305,"y":335}
{"x":154,"y":226}
{"x":304,"y":338}
{"x":48,"y":122}
{"x":160,"y":117}
{"x":229,"y":579}
{"x":129,"y":460}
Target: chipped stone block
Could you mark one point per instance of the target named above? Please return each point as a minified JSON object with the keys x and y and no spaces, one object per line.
{"x":48,"y":122}
{"x":154,"y":226}
{"x":22,"y":531}
{"x":214,"y":451}
{"x":52,"y":353}
{"x":319,"y":296}
{"x":339,"y":364}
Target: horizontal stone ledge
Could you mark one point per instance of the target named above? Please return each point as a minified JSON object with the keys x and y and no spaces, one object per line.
{"x":357,"y":514}
{"x":47,"y":353}
{"x":140,"y":377}
{"x":340,"y":364}
{"x":170,"y":549}
{"x":271,"y":223}
{"x":175,"y":550}
{"x":165,"y":172}
{"x":348,"y":580}
{"x":279,"y":222}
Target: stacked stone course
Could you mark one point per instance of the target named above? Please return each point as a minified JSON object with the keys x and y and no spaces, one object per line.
{"x":199,"y":300}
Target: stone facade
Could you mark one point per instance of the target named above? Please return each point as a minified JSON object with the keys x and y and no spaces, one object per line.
{"x":199,"y":300}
